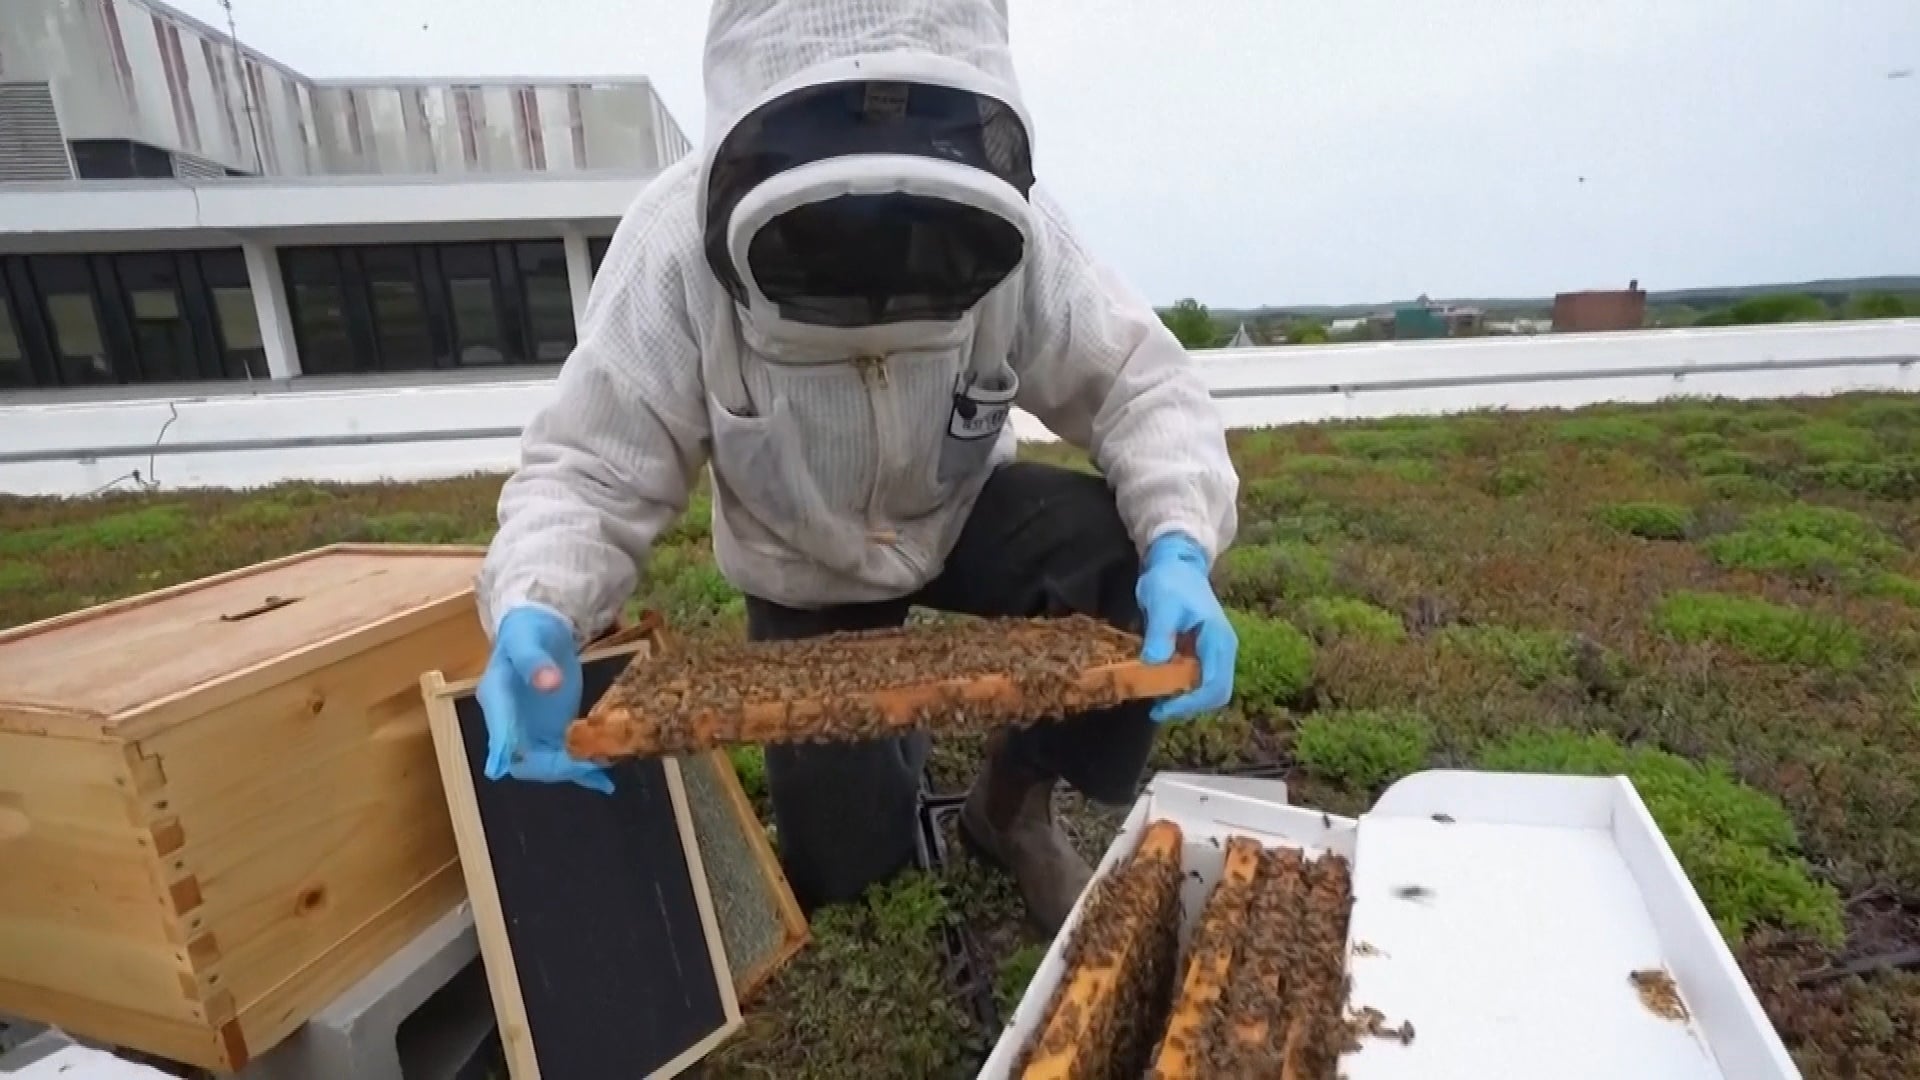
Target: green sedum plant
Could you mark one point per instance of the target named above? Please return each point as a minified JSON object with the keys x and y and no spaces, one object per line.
{"x":20,"y":576}
{"x":1648,"y":520}
{"x":1533,"y":657}
{"x":1726,"y":463}
{"x":1251,"y":575}
{"x":1761,"y":629}
{"x":750,"y":765}
{"x":1408,"y":442}
{"x":1607,"y":431}
{"x":1363,"y":749}
{"x":1330,"y":465}
{"x":1330,"y":617}
{"x":1803,"y":541}
{"x":1827,"y":441}
{"x":1275,"y":660}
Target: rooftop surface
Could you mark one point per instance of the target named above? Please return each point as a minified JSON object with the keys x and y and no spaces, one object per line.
{"x":1719,"y":600}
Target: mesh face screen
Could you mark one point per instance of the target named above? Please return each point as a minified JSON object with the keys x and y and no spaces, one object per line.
{"x":862,"y":260}
{"x":830,"y":262}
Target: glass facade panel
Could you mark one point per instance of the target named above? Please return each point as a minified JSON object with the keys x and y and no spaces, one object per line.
{"x":190,"y":315}
{"x":399,"y":308}
{"x":162,"y":339}
{"x":549,"y":306}
{"x":470,"y":275}
{"x":319,"y":312}
{"x":14,"y":370}
{"x":127,"y":317}
{"x":243,"y":350}
{"x":78,"y":343}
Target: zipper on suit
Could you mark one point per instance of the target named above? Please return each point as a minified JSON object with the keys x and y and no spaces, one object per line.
{"x":873,"y":376}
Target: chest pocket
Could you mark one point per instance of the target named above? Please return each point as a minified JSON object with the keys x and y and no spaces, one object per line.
{"x":980,"y":410}
{"x":795,"y":457}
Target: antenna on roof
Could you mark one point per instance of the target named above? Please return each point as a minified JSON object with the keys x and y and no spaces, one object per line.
{"x":246,"y":86}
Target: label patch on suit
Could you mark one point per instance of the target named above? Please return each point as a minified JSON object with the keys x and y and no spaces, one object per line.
{"x":978,"y":413}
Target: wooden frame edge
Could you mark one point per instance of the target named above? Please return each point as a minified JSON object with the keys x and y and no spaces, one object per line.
{"x":798,"y":933}
{"x":709,"y":921}
{"x":476,"y":866}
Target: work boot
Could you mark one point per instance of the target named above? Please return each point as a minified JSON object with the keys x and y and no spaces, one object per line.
{"x":1007,"y":820}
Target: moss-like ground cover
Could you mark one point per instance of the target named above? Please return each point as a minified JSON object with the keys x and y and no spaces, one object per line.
{"x":1718,"y":599}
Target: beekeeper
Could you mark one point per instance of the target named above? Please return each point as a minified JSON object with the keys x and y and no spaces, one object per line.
{"x":836,"y":305}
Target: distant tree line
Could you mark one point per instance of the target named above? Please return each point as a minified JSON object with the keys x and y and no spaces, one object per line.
{"x":1197,"y":327}
{"x":1791,"y":307}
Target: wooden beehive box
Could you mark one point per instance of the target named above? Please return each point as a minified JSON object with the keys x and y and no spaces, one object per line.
{"x":219,"y":802}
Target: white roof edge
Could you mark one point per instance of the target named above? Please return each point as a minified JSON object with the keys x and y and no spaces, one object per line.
{"x":273,"y":203}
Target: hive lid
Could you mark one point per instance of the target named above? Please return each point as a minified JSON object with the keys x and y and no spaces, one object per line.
{"x":95,"y":671}
{"x":1543,"y":895}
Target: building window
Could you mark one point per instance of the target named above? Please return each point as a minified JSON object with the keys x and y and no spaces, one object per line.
{"x":407,"y":307}
{"x":473,"y":299}
{"x":549,"y":298}
{"x":73,"y":319}
{"x":14,"y":369}
{"x":162,"y":337}
{"x":597,"y":249}
{"x":119,"y":159}
{"x":128,"y":317}
{"x":399,"y":308}
{"x":243,"y":351}
{"x":319,"y":303}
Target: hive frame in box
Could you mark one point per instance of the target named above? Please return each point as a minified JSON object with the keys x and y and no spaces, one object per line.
{"x":793,"y":922}
{"x":490,"y":924}
{"x":1604,"y":896}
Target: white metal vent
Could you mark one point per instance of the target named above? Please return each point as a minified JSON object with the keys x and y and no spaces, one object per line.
{"x":31,"y":146}
{"x":192,"y":167}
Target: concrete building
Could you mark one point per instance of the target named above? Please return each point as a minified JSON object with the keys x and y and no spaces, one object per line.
{"x":176,"y":207}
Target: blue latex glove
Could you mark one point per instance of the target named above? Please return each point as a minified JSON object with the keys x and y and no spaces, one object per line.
{"x":1175,"y":597}
{"x":530,"y":693}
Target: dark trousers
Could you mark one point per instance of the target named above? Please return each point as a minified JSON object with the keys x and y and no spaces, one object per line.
{"x":1041,"y":541}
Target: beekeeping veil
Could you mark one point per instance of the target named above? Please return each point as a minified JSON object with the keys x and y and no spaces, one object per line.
{"x":867,"y":163}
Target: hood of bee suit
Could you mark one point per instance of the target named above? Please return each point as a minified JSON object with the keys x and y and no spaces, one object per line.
{"x":866,"y":166}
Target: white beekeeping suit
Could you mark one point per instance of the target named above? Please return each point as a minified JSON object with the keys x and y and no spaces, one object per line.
{"x":836,"y":302}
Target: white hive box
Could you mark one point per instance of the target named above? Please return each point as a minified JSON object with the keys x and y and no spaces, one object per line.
{"x":1542,"y":895}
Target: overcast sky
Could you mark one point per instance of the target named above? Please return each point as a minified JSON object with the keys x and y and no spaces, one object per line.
{"x":1281,"y":151}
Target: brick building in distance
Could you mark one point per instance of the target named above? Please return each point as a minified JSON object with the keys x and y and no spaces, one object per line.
{"x":1600,"y":309}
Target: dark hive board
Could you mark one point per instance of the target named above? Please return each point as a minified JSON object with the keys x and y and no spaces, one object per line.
{"x":597,"y":927}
